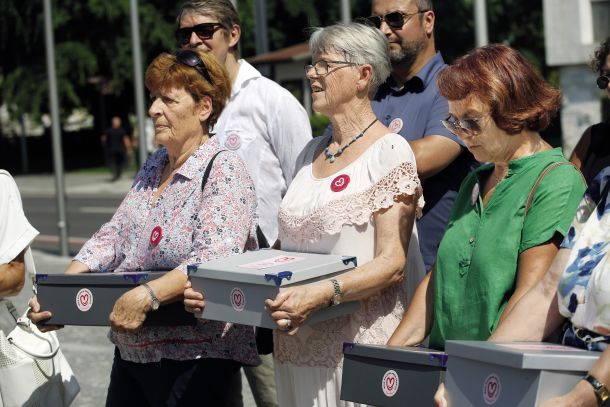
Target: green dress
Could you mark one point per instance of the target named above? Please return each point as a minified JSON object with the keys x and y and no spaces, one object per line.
{"x":476,"y":266}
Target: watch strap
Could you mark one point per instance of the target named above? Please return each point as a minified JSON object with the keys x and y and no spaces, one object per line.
{"x":338,"y":294}
{"x":155,"y":300}
{"x":601,"y":392}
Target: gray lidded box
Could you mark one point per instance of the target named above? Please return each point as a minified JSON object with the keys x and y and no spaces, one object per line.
{"x":235,"y":288}
{"x":88,"y":298}
{"x":517,"y":374}
{"x":391,"y":376}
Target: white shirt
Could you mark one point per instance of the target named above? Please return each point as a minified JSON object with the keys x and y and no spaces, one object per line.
{"x":268,"y":128}
{"x":16,"y":233}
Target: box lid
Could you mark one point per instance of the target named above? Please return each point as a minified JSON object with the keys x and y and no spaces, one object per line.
{"x":97,"y":278}
{"x":272,"y":267}
{"x":404,"y":354}
{"x":525,"y":355}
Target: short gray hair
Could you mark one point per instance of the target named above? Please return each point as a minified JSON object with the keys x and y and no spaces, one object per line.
{"x":424,"y":5}
{"x":223,"y":10}
{"x":359,"y":44}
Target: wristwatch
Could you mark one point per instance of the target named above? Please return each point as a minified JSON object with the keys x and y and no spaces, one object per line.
{"x":338,"y":295}
{"x":155,"y":300}
{"x":601,"y":392}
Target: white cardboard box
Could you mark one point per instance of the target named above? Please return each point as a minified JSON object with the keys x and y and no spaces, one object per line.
{"x":235,"y":288}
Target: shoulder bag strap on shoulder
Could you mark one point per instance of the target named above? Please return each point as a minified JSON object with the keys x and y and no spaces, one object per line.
{"x":208,"y":169}
{"x":10,"y":307}
{"x":551,"y":167}
{"x":262,"y":240}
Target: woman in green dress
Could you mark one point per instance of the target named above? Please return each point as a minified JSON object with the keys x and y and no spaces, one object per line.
{"x":510,"y":214}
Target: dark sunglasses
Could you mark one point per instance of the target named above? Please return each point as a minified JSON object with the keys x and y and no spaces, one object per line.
{"x":395,"y":20}
{"x":190,"y":58}
{"x":603,"y":81}
{"x":470,"y":126}
{"x":204,"y":31}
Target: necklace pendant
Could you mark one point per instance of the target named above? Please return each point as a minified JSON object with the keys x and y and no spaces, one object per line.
{"x":332,"y":159}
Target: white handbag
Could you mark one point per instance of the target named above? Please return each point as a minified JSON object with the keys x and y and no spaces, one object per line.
{"x":33,"y":370}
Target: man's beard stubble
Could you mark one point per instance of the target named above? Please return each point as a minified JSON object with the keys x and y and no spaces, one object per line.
{"x":406,"y":56}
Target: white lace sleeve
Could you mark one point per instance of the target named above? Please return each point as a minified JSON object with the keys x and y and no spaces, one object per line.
{"x":393,"y":173}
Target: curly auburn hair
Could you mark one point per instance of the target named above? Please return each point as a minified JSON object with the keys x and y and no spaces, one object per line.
{"x":165,"y":72}
{"x":503,"y":79}
{"x":599,"y":57}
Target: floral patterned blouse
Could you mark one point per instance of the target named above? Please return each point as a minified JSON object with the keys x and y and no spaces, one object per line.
{"x":196,"y":226}
{"x":584,"y":289}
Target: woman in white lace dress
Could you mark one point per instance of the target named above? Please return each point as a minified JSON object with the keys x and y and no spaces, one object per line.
{"x":355,"y":193}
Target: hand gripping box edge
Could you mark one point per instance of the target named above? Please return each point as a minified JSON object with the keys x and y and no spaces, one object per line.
{"x":88,"y":298}
{"x":236,"y":287}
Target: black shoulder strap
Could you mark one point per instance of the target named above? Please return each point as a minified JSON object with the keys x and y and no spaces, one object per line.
{"x":208,"y":169}
{"x":260,"y":236}
{"x":262,"y":240}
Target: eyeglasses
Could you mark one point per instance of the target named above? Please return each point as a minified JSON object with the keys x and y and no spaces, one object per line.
{"x":470,"y":126}
{"x":204,"y":31}
{"x":322,"y":68}
{"x":395,"y":20}
{"x":603,"y":81}
{"x":190,"y":58}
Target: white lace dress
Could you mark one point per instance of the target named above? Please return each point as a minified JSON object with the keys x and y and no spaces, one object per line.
{"x":334,"y":215}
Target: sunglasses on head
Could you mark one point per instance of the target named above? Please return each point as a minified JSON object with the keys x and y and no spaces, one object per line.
{"x":395,"y":20}
{"x":603,"y":81}
{"x":191,"y":58}
{"x":204,"y":31}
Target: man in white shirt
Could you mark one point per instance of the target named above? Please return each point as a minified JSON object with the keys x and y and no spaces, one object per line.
{"x":262,"y":122}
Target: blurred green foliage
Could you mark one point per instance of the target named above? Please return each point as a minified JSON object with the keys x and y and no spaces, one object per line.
{"x":318,"y":124}
{"x":94,"y":55}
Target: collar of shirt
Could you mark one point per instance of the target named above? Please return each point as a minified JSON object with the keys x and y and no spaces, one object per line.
{"x":519,"y":165}
{"x":246,"y":73}
{"x":192,"y":165}
{"x":421,"y":80}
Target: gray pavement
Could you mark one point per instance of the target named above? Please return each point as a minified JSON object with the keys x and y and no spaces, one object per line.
{"x":75,"y":184}
{"x":87,"y":349}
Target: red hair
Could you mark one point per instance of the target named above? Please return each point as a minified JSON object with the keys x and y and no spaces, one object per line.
{"x":500,"y":77}
{"x":165,"y":73}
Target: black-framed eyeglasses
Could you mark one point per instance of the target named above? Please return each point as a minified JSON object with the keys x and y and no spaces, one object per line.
{"x":191,"y":58}
{"x":204,"y":31}
{"x":322,"y":67}
{"x":469,"y":125}
{"x":603,"y":81}
{"x":395,"y":20}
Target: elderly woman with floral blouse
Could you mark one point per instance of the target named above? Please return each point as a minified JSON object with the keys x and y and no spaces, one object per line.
{"x":169,"y":219}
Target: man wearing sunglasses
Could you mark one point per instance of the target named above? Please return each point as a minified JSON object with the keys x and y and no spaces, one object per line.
{"x":410,"y":105}
{"x":262,"y":122}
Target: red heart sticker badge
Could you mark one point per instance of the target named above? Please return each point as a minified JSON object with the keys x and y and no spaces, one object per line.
{"x":238,"y":299}
{"x":491,"y":389}
{"x":339,"y":183}
{"x":389,"y":383}
{"x":156,"y":235}
{"x":233,"y":142}
{"x":84,"y":299}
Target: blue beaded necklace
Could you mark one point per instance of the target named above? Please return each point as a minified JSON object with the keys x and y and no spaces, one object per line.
{"x":333,"y":157}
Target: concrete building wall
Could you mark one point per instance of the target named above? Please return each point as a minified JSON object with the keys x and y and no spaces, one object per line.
{"x":570,"y":39}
